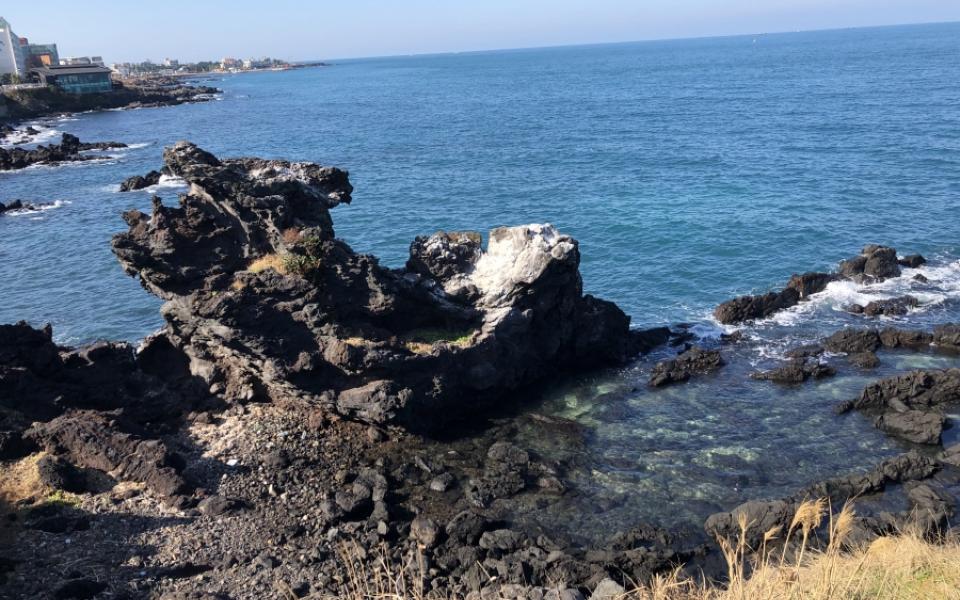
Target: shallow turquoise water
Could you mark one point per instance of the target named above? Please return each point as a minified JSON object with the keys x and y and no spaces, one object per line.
{"x":690,"y":171}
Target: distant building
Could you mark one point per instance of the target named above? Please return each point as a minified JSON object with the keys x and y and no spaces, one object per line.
{"x":12,"y":59}
{"x":171,"y":62}
{"x":76,"y":61}
{"x":42,"y":55}
{"x":231,"y":63}
{"x":79,"y":79}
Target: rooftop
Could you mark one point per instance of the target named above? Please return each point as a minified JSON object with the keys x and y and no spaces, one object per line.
{"x":70,"y":70}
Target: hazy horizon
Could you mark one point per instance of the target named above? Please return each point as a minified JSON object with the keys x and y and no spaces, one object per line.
{"x":373,"y":28}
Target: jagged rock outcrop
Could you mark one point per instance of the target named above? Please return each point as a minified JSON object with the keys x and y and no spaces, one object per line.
{"x":94,"y":406}
{"x":139,"y":182}
{"x":269,"y":305}
{"x":68,"y":150}
{"x":875,"y":263}
{"x":910,"y":406}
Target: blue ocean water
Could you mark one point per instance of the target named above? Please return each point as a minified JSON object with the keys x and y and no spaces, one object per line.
{"x":690,"y":171}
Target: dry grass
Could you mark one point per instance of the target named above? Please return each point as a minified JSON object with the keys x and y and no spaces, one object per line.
{"x":785,"y":567}
{"x":291,"y":236}
{"x":901,"y":567}
{"x":269,"y":261}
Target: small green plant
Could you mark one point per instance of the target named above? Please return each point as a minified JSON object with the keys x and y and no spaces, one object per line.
{"x":421,"y":341}
{"x":300,"y":264}
{"x":62,"y":498}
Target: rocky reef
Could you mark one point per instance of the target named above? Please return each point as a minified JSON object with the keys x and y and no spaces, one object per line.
{"x":68,"y":150}
{"x":270,"y":305}
{"x":18,"y":205}
{"x":875,"y":263}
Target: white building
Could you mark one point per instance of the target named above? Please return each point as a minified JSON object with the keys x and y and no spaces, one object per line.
{"x":12,"y":59}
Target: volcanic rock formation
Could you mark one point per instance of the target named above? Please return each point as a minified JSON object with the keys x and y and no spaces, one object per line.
{"x":269,"y":305}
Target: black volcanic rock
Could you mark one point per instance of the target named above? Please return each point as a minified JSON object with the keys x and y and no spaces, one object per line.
{"x":912,"y":261}
{"x":853,"y":341}
{"x":269,"y":305}
{"x":748,"y":308}
{"x":890,"y":307}
{"x":765,"y":515}
{"x":875,"y":263}
{"x":138,"y":182}
{"x":910,"y":406}
{"x":797,"y":370}
{"x":92,"y":406}
{"x":68,"y":150}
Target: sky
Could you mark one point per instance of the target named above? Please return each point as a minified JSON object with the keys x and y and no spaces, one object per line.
{"x":190,"y":30}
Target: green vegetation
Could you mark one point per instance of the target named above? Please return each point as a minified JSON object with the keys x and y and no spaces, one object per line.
{"x":422,"y":340}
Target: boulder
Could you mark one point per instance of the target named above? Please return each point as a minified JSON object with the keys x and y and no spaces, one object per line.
{"x":875,"y":262}
{"x":911,"y":406}
{"x":917,"y":426}
{"x":749,"y":308}
{"x":947,"y":337}
{"x":852,"y":341}
{"x":138,"y":182}
{"x":891,"y":307}
{"x":912,"y":261}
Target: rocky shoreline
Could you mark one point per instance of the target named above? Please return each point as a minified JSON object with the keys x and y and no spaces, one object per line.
{"x":304,"y":413}
{"x":46,"y":102}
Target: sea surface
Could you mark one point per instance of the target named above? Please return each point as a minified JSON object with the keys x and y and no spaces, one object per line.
{"x":690,"y":171}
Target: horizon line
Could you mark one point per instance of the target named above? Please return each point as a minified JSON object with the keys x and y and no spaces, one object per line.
{"x":621,"y":42}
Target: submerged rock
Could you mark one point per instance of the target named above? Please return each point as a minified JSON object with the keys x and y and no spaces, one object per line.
{"x":797,"y":370}
{"x":763,"y":516}
{"x":269,"y":305}
{"x":695,"y":361}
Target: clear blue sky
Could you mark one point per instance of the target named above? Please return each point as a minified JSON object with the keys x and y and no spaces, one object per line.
{"x":124,"y":30}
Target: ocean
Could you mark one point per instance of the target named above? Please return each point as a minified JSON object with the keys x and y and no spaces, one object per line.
{"x":690,"y":171}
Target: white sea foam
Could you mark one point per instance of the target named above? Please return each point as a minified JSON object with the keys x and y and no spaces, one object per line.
{"x":944,"y":284}
{"x":168,"y":182}
{"x":45,"y":134}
